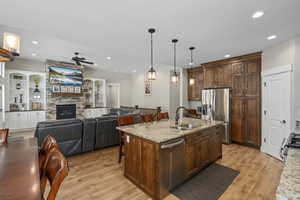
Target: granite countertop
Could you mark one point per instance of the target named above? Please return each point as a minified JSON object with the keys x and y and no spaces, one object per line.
{"x":162,"y":131}
{"x":289,"y":186}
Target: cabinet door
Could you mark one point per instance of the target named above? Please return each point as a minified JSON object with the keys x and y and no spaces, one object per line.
{"x":148,"y":164}
{"x":237,"y":116}
{"x":252,"y":78}
{"x":227,"y":75}
{"x":203,"y":149}
{"x":218,"y":76}
{"x":209,"y":77}
{"x":132,"y":158}
{"x":252,"y":121}
{"x":238,"y":79}
{"x":190,"y":157}
{"x":219,"y":137}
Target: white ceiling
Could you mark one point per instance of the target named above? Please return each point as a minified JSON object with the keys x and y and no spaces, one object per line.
{"x":119,"y":29}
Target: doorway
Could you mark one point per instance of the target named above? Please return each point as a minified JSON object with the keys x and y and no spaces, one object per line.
{"x":113,"y":95}
{"x":276,"y":109}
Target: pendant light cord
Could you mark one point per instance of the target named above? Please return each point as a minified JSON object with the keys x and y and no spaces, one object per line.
{"x":151,"y":51}
{"x":175,"y":58}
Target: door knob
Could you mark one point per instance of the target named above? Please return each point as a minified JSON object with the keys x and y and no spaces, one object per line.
{"x":283,"y":121}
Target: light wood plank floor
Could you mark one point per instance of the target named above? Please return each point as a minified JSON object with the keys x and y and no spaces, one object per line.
{"x":98,"y":175}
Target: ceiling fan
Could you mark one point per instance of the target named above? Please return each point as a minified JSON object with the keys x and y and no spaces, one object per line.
{"x":79,"y":60}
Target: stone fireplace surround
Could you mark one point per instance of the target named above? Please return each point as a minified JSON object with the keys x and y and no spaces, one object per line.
{"x":52,"y":101}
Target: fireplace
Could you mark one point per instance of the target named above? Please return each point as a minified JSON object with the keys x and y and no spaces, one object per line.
{"x":66,"y":111}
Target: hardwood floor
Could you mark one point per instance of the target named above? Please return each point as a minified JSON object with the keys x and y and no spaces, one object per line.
{"x":98,"y":175}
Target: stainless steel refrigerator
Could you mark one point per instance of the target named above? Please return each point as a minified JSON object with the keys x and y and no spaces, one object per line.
{"x":216,"y":106}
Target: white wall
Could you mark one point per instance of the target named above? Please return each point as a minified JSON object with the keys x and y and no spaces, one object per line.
{"x":279,"y":55}
{"x":160,"y":90}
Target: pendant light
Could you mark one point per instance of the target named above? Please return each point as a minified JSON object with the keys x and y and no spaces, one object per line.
{"x":192,"y":80}
{"x":175,"y":76}
{"x":151,"y":72}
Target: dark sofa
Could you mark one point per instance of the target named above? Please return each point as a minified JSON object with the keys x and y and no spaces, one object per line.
{"x":76,"y":136}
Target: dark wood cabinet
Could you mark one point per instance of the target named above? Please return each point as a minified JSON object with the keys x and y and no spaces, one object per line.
{"x":242,"y":75}
{"x":246,"y":121}
{"x":191,"y":154}
{"x":203,"y":148}
{"x":195,"y":89}
{"x":133,"y":162}
{"x":252,"y":124}
{"x":237,"y":119}
{"x":209,"y":77}
{"x":148,"y":164}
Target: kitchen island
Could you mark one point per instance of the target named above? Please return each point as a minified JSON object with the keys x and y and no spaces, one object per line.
{"x":159,"y":157}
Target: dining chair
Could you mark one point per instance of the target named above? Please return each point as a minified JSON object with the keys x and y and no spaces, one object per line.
{"x":56,"y":169}
{"x":48,"y":143}
{"x":3,"y":136}
{"x":164,"y":115}
{"x":147,"y":118}
{"x":123,"y":121}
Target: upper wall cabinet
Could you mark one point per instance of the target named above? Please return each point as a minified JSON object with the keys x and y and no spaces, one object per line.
{"x":217,"y":75}
{"x":246,"y":78}
{"x":195,"y":87}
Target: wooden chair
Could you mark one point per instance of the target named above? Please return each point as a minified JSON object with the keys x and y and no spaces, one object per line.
{"x":4,"y":135}
{"x":163,"y":116}
{"x":123,"y":121}
{"x":55,"y":172}
{"x":147,"y":118}
{"x":48,"y":143}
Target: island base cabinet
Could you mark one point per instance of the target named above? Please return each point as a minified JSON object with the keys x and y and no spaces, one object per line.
{"x":148,"y":165}
{"x":140,"y":163}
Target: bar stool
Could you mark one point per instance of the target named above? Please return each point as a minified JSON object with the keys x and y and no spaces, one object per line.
{"x":123,"y":121}
{"x":164,"y":115}
{"x":147,"y":118}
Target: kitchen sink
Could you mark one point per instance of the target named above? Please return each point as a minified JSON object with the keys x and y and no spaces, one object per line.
{"x":185,"y":127}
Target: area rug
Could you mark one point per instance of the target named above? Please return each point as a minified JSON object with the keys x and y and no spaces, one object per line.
{"x":209,"y":184}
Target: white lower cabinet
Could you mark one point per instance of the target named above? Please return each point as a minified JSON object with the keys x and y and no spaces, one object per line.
{"x":23,"y":120}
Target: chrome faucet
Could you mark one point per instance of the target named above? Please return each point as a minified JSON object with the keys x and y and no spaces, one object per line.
{"x":177,"y":114}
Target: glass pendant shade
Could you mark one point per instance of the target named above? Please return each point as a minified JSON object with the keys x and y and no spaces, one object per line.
{"x":175,"y":78}
{"x":11,"y":42}
{"x":192,"y":81}
{"x":151,"y":74}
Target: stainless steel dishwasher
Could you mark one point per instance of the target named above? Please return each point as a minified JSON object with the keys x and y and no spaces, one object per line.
{"x":172,"y":163}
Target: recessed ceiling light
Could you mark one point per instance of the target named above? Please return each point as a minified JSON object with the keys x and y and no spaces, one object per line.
{"x":34,"y":54}
{"x":95,"y":64}
{"x":134,"y":71}
{"x":227,"y":56}
{"x":258,"y":14}
{"x":108,"y":58}
{"x":35,"y":42}
{"x":271,"y":37}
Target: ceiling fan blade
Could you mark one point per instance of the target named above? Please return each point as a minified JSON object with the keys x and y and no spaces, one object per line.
{"x":87,"y":62}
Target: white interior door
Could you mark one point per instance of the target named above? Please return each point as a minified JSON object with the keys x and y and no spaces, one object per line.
{"x":276,"y":111}
{"x":113,"y":95}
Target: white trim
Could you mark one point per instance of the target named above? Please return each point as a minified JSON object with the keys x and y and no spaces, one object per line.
{"x":277,"y":70}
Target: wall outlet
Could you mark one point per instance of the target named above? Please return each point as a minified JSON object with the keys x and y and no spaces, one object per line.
{"x":127,"y":139}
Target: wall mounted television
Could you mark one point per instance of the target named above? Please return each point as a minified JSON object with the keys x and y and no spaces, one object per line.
{"x":65,"y":76}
